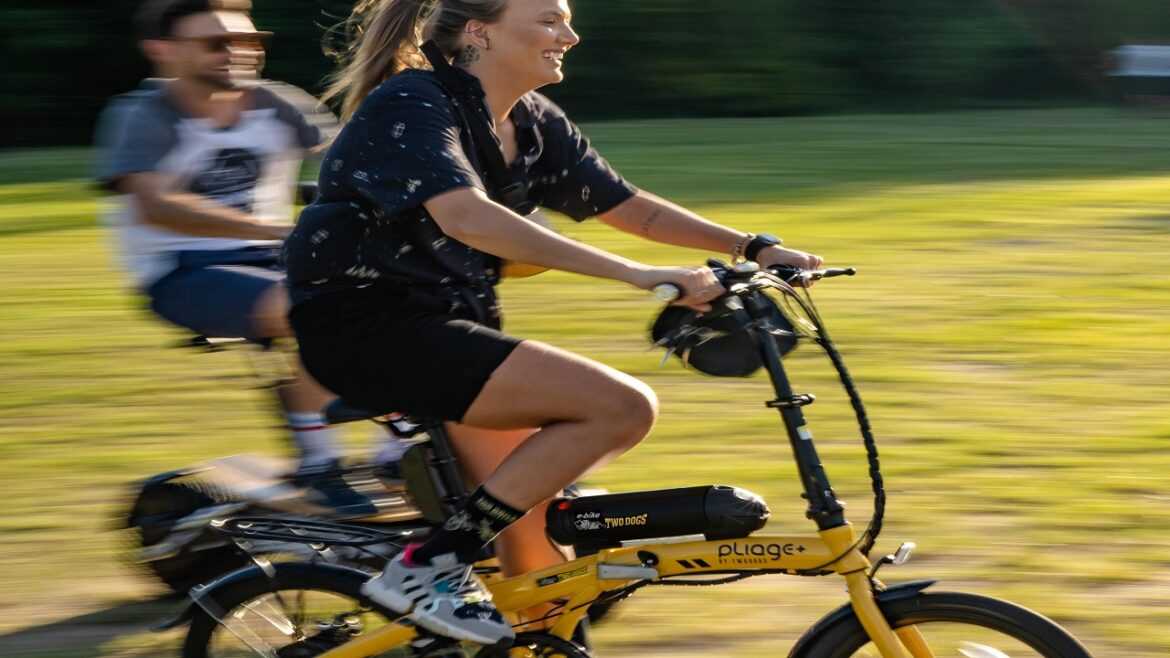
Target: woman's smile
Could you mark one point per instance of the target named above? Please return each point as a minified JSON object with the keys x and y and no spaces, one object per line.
{"x":555,"y":56}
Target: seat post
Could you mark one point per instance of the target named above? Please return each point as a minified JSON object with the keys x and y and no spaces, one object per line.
{"x":443,"y":458}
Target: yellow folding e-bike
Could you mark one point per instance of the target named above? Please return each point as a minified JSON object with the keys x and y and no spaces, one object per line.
{"x":634,"y":540}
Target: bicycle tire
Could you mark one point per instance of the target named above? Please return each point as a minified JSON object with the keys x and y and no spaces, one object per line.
{"x":1041,"y":634}
{"x":156,"y":507}
{"x":286,"y":577}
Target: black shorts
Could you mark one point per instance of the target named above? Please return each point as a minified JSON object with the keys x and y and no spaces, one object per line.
{"x":385,"y":351}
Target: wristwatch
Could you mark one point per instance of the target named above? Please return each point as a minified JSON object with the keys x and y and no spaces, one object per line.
{"x":758,"y":243}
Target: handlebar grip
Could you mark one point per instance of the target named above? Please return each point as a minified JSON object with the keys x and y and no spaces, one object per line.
{"x":667,"y":292}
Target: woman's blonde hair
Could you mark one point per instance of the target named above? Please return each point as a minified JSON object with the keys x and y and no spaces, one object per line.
{"x":383,"y":37}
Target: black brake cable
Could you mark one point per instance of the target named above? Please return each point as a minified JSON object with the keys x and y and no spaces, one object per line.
{"x":664,"y":582}
{"x":822,"y":338}
{"x":869,"y":537}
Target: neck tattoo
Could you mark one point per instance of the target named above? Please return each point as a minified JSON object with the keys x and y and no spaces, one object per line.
{"x":467,"y":56}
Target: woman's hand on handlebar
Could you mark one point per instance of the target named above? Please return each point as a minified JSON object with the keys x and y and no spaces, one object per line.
{"x":791,"y":257}
{"x":698,"y":284}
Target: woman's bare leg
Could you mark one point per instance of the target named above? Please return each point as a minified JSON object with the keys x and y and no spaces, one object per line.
{"x":588,"y":413}
{"x":524,"y":546}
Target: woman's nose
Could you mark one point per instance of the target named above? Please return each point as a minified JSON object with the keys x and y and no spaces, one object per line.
{"x":570,"y":37}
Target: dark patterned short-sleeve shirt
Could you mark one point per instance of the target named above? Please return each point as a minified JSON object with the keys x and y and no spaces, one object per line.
{"x":406,"y":144}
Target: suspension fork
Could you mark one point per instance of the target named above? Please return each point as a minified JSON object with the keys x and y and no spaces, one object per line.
{"x":854,"y":567}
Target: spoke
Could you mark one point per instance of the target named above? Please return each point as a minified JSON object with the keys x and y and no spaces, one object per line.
{"x":235,"y":625}
{"x":953,"y":639}
{"x":299,"y":620}
{"x":973,"y":650}
{"x":297,"y":632}
{"x":283,"y":626}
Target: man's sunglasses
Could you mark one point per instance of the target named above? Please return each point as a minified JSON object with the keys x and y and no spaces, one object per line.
{"x":222,"y":42}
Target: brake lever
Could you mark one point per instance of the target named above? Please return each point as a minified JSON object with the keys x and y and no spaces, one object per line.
{"x":787,"y":273}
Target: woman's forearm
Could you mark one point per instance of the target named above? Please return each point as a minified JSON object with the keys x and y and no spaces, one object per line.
{"x":657,"y":219}
{"x":470,"y":217}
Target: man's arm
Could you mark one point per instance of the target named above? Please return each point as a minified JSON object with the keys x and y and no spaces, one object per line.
{"x":192,"y":214}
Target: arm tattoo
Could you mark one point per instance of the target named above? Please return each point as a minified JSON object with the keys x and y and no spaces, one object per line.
{"x":467,"y":56}
{"x":649,"y":221}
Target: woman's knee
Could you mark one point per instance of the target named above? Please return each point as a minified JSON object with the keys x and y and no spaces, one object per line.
{"x":631,"y":413}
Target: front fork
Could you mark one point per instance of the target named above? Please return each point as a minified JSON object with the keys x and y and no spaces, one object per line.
{"x":906,"y":642}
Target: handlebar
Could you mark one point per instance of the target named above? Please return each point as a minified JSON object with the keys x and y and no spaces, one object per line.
{"x":669,"y":292}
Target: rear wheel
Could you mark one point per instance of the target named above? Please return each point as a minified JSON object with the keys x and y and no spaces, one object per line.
{"x":153,"y":516}
{"x":299,"y":613}
{"x":958,"y":625}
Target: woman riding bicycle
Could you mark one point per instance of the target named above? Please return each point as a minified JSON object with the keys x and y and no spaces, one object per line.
{"x":392,"y":271}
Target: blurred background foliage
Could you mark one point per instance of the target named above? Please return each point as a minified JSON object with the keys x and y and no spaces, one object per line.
{"x":650,"y":58}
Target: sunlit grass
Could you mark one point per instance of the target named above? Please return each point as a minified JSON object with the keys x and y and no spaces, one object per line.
{"x":1007,"y":330}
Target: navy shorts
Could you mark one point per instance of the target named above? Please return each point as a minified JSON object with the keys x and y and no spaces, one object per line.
{"x":214,"y":293}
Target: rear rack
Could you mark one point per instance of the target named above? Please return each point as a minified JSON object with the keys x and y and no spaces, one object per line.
{"x":301,"y":531}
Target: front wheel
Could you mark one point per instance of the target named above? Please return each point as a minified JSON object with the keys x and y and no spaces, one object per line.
{"x":958,"y":625}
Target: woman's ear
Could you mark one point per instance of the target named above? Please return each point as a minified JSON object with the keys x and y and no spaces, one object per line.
{"x":475,"y":34}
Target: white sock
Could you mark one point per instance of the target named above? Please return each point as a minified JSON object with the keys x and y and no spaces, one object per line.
{"x":314,"y":438}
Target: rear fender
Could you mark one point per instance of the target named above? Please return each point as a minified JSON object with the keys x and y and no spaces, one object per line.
{"x":208,"y":597}
{"x":845,"y":613}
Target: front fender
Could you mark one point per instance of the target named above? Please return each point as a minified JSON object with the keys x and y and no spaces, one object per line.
{"x":845,"y":613}
{"x":269,"y":575}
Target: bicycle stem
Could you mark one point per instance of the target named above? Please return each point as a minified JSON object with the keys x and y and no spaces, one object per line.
{"x":823,"y":507}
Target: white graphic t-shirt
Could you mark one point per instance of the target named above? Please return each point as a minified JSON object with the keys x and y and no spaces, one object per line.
{"x":251,"y":166}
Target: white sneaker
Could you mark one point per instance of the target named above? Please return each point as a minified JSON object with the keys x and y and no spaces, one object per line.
{"x":443,"y":597}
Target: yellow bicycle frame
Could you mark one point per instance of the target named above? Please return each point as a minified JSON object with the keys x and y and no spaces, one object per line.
{"x":579,"y":582}
{"x":835,"y":547}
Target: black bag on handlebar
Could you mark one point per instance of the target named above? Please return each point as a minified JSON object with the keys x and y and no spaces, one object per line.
{"x":721,"y":342}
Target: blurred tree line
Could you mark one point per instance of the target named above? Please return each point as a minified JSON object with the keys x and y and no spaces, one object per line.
{"x":64,"y":58}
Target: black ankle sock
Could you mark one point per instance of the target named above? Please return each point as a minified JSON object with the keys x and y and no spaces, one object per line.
{"x":469,"y":529}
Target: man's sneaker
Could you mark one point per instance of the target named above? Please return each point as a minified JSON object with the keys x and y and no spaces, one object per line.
{"x":442,"y":597}
{"x":326,"y":486}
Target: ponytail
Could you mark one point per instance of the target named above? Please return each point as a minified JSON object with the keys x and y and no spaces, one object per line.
{"x":384,"y":37}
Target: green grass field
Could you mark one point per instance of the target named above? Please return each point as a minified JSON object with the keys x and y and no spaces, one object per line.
{"x":1008,"y":330}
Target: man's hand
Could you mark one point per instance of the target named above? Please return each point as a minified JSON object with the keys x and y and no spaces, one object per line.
{"x":276,"y":231}
{"x":192,"y":214}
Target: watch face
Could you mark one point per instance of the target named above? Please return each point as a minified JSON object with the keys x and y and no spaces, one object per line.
{"x":759,"y":243}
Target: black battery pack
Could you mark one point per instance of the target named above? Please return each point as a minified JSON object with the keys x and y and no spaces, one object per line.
{"x":714,"y":511}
